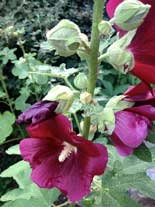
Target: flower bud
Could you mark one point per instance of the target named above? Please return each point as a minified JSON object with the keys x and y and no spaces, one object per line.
{"x":130,"y":14}
{"x":107,"y":118}
{"x":63,"y":95}
{"x":105,"y":28}
{"x":65,"y":38}
{"x":122,"y":60}
{"x":119,"y":56}
{"x":81,"y":81}
{"x":85,"y":98}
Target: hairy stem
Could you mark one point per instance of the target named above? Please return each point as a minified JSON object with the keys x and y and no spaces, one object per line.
{"x":93,"y":58}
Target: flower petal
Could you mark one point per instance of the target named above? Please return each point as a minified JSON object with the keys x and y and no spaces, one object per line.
{"x":131,"y":128}
{"x":140,"y":92}
{"x":146,"y":110}
{"x":144,"y":71}
{"x":58,"y":127}
{"x":122,"y":149}
{"x":74,"y":175}
{"x":36,"y":150}
{"x":38,"y":112}
{"x":83,"y":144}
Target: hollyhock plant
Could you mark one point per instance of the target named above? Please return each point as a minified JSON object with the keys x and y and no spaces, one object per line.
{"x":58,"y":157}
{"x":143,"y":44}
{"x":133,"y":124}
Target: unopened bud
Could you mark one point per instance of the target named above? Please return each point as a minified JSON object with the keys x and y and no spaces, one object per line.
{"x":107,"y":120}
{"x":81,"y":81}
{"x":119,"y":56}
{"x":130,"y":14}
{"x":85,"y":98}
{"x":65,"y":38}
{"x":105,"y":28}
{"x":120,"y":59}
{"x":63,"y":95}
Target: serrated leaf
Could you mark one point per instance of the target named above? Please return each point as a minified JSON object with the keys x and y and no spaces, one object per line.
{"x":21,"y":68}
{"x":7,"y":54}
{"x":20,"y":103}
{"x":143,"y":153}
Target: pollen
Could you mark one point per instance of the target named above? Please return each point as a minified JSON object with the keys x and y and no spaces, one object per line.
{"x":66,"y":152}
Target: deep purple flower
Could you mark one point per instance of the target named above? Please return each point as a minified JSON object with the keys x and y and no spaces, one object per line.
{"x":143,"y":44}
{"x":133,"y":124}
{"x":59,"y":158}
{"x":37,"y":112}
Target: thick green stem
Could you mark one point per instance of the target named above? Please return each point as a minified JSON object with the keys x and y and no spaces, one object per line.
{"x":93,"y":58}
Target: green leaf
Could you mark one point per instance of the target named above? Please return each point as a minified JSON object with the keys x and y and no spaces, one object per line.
{"x":56,"y":72}
{"x":7,"y":119}
{"x":15,"y":169}
{"x":33,"y":202}
{"x":27,"y":190}
{"x":138,"y":181}
{"x":2,"y":94}
{"x":151,"y":137}
{"x":7,"y":54}
{"x":143,"y":153}
{"x":108,"y":87}
{"x":21,"y":68}
{"x":16,"y":194}
{"x":14,"y":150}
{"x":109,"y":198}
{"x":20,"y":103}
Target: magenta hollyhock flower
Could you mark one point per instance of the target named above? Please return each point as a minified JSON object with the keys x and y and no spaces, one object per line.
{"x":143,"y":44}
{"x":58,"y":157}
{"x":133,"y":124}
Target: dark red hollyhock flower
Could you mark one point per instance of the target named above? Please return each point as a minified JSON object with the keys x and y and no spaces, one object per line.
{"x":58,"y":157}
{"x":143,"y":44}
{"x":133,"y":124}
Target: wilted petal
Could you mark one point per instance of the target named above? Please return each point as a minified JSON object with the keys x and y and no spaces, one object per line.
{"x":38,"y":112}
{"x":131,"y":128}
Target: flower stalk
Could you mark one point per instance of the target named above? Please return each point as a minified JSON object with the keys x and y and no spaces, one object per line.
{"x":93,"y":58}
